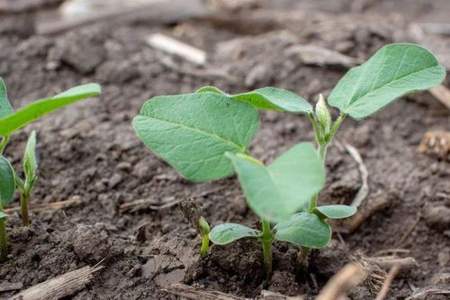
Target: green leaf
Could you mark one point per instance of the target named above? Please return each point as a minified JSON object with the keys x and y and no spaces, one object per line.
{"x":336,"y":211}
{"x":269,"y":98}
{"x":276,"y":192}
{"x":211,"y":89}
{"x":39,"y":108}
{"x":5,"y":106}
{"x":304,"y":229}
{"x":29,"y":159}
{"x":193,"y":131}
{"x":7,"y":183}
{"x":3,"y":215}
{"x":275,"y":99}
{"x":229,"y":232}
{"x":393,"y":71}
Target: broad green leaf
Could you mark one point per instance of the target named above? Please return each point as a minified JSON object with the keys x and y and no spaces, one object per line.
{"x":270,"y":98}
{"x":393,"y":71}
{"x":29,"y":158}
{"x":276,"y":192}
{"x":5,"y":106}
{"x":336,"y":211}
{"x":304,"y":229}
{"x":7,"y":184}
{"x":229,"y":232}
{"x":39,"y":108}
{"x":193,"y":131}
{"x":3,"y":215}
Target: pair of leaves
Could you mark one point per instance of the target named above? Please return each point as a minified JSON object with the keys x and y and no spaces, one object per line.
{"x":11,"y":121}
{"x":278,"y":191}
{"x":7,"y":182}
{"x":393,"y":71}
{"x":303,"y":229}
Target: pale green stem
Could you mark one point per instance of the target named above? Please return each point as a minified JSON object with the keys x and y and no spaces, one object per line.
{"x":266,"y":240}
{"x":322,"y":147}
{"x":3,"y":143}
{"x":205,"y":245}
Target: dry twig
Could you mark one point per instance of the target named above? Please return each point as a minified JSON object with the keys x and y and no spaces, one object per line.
{"x":427,"y":291}
{"x":442,"y":94}
{"x":364,"y":190}
{"x":175,"y":47}
{"x":61,"y":286}
{"x":315,"y":55}
{"x":152,"y":204}
{"x":388,"y":262}
{"x":49,"y":206}
{"x":190,"y":292}
{"x":155,"y":11}
{"x":349,"y":277}
{"x":387,"y":282}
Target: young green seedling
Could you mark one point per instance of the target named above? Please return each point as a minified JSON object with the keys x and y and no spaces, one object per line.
{"x":11,"y":121}
{"x":25,"y":187}
{"x":205,"y":136}
{"x":192,"y":213}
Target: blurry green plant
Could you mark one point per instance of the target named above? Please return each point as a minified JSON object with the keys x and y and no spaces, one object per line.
{"x":11,"y":121}
{"x":205,"y":136}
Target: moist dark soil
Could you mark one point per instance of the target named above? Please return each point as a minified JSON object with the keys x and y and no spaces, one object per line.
{"x":90,"y":155}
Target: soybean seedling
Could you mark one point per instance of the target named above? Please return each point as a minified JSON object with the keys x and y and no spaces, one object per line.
{"x":10,"y":122}
{"x":192,"y":213}
{"x":205,"y":136}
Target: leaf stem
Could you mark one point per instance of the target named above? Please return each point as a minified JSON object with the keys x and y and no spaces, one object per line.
{"x":3,"y":240}
{"x":3,"y":143}
{"x":266,"y":240}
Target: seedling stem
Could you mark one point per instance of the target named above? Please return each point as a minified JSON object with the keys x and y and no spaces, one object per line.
{"x":266,"y":239}
{"x":3,"y":143}
{"x":204,"y":233}
{"x":24,"y":199}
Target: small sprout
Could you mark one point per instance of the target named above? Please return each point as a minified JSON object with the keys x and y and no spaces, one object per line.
{"x":192,"y":212}
{"x":204,"y":233}
{"x":26,"y":186}
{"x":205,"y":136}
{"x":11,"y":121}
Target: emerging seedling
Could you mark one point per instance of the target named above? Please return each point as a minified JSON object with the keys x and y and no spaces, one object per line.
{"x":205,"y":136}
{"x":192,"y":213}
{"x":11,"y":121}
{"x":25,"y":187}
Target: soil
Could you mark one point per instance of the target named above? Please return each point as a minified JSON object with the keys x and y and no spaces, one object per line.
{"x":89,"y":153}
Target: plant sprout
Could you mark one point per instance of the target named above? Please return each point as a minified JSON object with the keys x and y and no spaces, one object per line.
{"x":205,"y":136}
{"x":11,"y":121}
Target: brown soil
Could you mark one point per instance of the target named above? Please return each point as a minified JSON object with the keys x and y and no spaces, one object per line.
{"x":89,"y":152}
